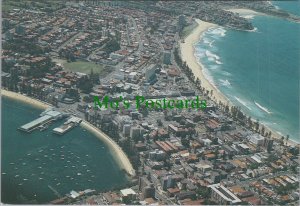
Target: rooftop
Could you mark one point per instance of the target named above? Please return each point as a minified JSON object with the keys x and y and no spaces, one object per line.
{"x":225,"y":193}
{"x":36,"y":122}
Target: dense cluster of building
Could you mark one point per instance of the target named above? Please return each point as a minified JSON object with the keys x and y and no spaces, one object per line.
{"x":182,"y":156}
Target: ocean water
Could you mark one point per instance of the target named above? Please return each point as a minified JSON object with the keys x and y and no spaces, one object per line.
{"x":258,"y":71}
{"x":292,"y":6}
{"x":41,"y":165}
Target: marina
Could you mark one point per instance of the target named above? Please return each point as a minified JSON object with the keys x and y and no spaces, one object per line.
{"x":39,"y":160}
{"x":67,"y":126}
{"x":46,"y":117}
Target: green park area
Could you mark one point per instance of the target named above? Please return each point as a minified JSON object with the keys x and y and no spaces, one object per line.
{"x":86,"y":67}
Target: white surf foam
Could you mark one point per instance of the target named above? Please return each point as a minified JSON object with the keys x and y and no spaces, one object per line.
{"x":213,"y":67}
{"x":210,"y":54}
{"x":218,"y":31}
{"x":242,"y":102}
{"x":206,"y":41}
{"x":225,"y":82}
{"x":206,"y":73}
{"x":211,"y":59}
{"x":218,"y":62}
{"x":248,"y":16}
{"x":262,"y":108}
{"x":226,"y":73}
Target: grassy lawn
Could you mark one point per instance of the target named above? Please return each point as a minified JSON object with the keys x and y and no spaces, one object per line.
{"x":86,"y":67}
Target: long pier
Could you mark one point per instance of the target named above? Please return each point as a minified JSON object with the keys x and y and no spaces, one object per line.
{"x":45,"y":117}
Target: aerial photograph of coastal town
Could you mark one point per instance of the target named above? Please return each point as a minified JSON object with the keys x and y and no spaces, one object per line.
{"x":150,"y":102}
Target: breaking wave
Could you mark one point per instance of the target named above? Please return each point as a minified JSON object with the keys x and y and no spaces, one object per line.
{"x":262,"y":108}
{"x":212,"y":55}
{"x":225,"y":82}
{"x":242,"y":102}
{"x":218,"y":31}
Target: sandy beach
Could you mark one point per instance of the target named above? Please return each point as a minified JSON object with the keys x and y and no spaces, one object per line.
{"x":188,"y":54}
{"x":245,"y":12}
{"x":116,"y":151}
{"x":25,"y":99}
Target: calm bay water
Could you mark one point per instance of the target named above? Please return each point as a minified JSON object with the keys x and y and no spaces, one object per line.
{"x":258,"y":71}
{"x":37,"y":164}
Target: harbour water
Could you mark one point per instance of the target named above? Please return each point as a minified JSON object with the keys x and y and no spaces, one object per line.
{"x":258,"y":71}
{"x":40,"y":166}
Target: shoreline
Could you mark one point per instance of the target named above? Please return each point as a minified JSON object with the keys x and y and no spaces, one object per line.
{"x":25,"y":99}
{"x":116,"y":151}
{"x":187,"y":52}
{"x":243,"y":12}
